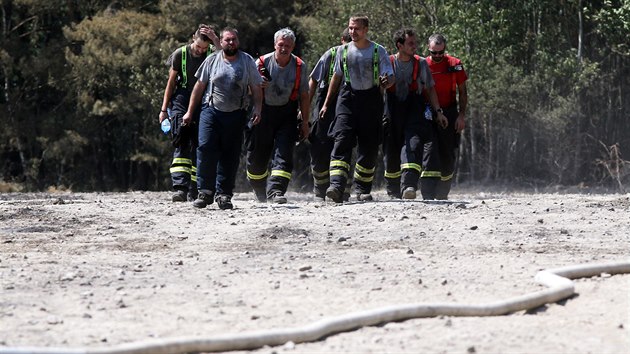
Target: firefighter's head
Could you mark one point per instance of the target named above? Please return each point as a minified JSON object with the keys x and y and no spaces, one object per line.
{"x":437,"y":47}
{"x":229,"y":41}
{"x":283,"y":43}
{"x":405,"y":41}
{"x":358,"y":27}
{"x":201,"y":40}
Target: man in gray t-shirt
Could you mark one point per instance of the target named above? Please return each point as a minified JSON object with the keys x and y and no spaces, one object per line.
{"x":223,"y":81}
{"x":285,"y":90}
{"x":321,"y":143}
{"x":363,"y":66}
{"x":409,"y":147}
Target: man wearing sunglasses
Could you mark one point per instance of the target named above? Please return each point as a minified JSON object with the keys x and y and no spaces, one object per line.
{"x":450,"y":84}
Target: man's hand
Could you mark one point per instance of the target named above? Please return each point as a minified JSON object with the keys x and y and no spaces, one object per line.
{"x":162,"y":116}
{"x":255,"y":119}
{"x":460,"y":123}
{"x":441,"y":120}
{"x":322,"y":112}
{"x":385,"y":83}
{"x":304,"y":129}
{"x":186,"y":119}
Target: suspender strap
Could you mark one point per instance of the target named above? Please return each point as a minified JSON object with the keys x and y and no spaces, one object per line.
{"x":375,"y":63}
{"x":413,"y":86}
{"x":346,"y":74}
{"x":392,"y":59}
{"x":184,"y":73}
{"x":261,"y":65}
{"x":331,"y":71}
{"x":375,"y":60}
{"x":298,"y":74}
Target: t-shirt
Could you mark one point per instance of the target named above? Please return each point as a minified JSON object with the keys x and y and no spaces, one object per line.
{"x":404,"y":76}
{"x":282,"y":81}
{"x":361,"y":65}
{"x":321,"y":71}
{"x":227,"y":81}
{"x":174,"y":61}
{"x":448,"y":71}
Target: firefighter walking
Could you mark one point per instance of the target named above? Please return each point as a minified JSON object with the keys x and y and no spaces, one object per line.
{"x":410,"y":147}
{"x":450,"y":85}
{"x":362,"y":66}
{"x":183,"y":64}
{"x":285,"y":89}
{"x":321,"y":143}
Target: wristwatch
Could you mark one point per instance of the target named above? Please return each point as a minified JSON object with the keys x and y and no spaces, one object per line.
{"x":440,"y":110}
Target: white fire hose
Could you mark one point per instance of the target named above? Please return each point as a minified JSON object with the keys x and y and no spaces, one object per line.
{"x":558,"y":281}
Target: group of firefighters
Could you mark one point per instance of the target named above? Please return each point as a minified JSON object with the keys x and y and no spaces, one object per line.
{"x":413,"y":107}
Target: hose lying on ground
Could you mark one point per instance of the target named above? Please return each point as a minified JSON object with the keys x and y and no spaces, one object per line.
{"x":556,"y":280}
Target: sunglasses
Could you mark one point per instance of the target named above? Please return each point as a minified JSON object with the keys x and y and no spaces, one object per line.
{"x":437,"y":52}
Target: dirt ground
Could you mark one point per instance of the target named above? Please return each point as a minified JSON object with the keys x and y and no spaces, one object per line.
{"x":100,"y":269}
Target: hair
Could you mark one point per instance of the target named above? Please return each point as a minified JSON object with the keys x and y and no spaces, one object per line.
{"x":198,"y":34}
{"x":284,"y":33}
{"x":361,"y":19}
{"x":345,"y":35}
{"x":228,"y":29}
{"x":401,"y":35}
{"x":437,"y":38}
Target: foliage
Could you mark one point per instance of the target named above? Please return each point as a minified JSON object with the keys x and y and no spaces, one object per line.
{"x":81,"y":82}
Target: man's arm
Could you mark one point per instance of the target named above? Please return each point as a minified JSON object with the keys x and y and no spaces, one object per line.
{"x":442,"y":121}
{"x":195,"y":98}
{"x":257,"y":95}
{"x":305,"y":109}
{"x":312,"y":88}
{"x":168,"y":93}
{"x":333,"y":89}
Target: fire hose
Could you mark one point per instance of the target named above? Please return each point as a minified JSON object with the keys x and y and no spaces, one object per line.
{"x":558,"y":283}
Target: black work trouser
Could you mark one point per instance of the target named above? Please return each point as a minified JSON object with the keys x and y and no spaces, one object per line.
{"x":185,"y":140}
{"x":410,"y":147}
{"x":358,"y":118}
{"x":448,"y":145}
{"x":321,"y":144}
{"x":275,"y":134}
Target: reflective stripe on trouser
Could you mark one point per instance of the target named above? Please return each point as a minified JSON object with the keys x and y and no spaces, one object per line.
{"x":392,"y":146}
{"x":418,"y":156}
{"x":220,"y":139}
{"x":276,"y":133}
{"x":183,"y":167}
{"x":321,"y":144}
{"x":448,"y":143}
{"x":358,"y":119}
{"x":183,"y":170}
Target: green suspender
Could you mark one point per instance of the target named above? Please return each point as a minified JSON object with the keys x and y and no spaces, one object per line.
{"x":375,"y":60}
{"x":184,"y":75}
{"x":333,"y":54}
{"x":345,"y":64}
{"x":375,"y":63}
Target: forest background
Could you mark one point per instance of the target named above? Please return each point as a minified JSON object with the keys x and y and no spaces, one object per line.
{"x":82,"y":83}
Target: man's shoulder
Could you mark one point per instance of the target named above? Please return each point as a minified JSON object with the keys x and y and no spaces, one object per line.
{"x":245,"y":55}
{"x":452,"y":61}
{"x":266,"y":57}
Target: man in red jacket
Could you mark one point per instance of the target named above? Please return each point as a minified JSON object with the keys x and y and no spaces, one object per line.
{"x":450,"y":84}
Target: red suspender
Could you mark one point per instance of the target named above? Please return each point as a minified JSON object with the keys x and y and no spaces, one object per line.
{"x":413,"y":86}
{"x":298,"y":74}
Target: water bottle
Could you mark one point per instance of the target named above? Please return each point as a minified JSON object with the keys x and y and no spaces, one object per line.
{"x":428,"y":115}
{"x":166,"y":123}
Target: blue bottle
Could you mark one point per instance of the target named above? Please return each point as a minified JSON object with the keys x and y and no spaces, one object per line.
{"x":428,"y":115}
{"x":166,"y":123}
